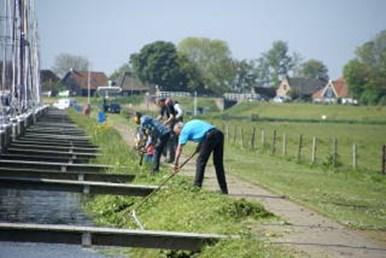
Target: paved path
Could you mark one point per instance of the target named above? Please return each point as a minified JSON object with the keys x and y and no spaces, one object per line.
{"x":305,"y":230}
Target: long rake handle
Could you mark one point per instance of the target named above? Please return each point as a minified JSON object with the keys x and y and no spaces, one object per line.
{"x":164,"y":182}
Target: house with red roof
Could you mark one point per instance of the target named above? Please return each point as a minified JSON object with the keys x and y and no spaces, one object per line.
{"x":301,"y":87}
{"x":334,"y":92}
{"x":77,"y":82}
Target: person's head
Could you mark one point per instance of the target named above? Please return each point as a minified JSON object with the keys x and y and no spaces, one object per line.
{"x":169,"y":101}
{"x":161,"y":102}
{"x":137,"y":117}
{"x":178,"y":127}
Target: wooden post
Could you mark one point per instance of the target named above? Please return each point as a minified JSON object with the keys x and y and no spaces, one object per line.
{"x":300,"y":146}
{"x":383,"y":171}
{"x":313,"y":154}
{"x":274,"y":142}
{"x":253,"y":138}
{"x":227,"y":133}
{"x":354,"y":156}
{"x":335,"y":152}
{"x":235,"y":135}
{"x":284,"y":144}
{"x":242,"y":137}
{"x":262,"y":139}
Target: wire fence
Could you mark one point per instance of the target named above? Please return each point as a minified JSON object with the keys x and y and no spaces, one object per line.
{"x":330,"y":152}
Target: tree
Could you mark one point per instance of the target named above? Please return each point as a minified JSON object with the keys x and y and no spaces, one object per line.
{"x":213,"y":60}
{"x":125,"y":68}
{"x":246,"y":76}
{"x":278,"y":62}
{"x":313,"y":69}
{"x":191,"y":74}
{"x":366,"y":73}
{"x":157,"y":63}
{"x":65,"y":62}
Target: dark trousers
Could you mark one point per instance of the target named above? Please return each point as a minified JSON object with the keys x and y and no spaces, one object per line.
{"x":213,"y":142}
{"x":159,"y":147}
{"x":172,"y":146}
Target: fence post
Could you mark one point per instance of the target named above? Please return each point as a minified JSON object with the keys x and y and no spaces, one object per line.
{"x":383,"y":171}
{"x":354,"y":156}
{"x":227,"y":132}
{"x":242,"y":137}
{"x":300,"y":146}
{"x":235,"y":135}
{"x":253,"y":138}
{"x":335,"y":152}
{"x":262,"y":139}
{"x":274,"y":142}
{"x":284,"y":144}
{"x":313,"y":154}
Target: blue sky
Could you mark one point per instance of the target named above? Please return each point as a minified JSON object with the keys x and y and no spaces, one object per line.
{"x":108,"y":31}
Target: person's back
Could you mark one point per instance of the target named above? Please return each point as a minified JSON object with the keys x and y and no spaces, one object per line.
{"x":160,"y":135}
{"x":210,"y":140}
{"x":194,"y":130}
{"x":154,"y":125}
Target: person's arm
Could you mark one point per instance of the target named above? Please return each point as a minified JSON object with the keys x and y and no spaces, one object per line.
{"x":161,"y":114}
{"x":178,"y":155}
{"x":169,"y":120}
{"x":178,"y":110}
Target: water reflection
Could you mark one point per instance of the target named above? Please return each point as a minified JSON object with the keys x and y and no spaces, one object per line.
{"x":43,"y":207}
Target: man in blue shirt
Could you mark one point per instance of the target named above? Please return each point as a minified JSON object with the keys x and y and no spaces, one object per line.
{"x":209,"y":140}
{"x":159,"y":134}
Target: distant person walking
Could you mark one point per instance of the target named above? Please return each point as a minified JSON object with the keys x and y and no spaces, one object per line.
{"x":170,"y":113}
{"x":210,"y":140}
{"x":159,"y":134}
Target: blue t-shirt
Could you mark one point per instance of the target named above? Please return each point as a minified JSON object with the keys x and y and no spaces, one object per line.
{"x":153,"y":125}
{"x":194,"y":130}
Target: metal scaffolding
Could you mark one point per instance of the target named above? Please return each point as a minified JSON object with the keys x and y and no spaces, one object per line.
{"x":19,"y":59}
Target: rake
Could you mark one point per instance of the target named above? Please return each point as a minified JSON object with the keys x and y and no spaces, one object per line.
{"x":133,"y":211}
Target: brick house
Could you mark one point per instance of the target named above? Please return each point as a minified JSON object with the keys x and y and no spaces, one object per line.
{"x":301,"y":87}
{"x":333,"y":92}
{"x":77,"y":82}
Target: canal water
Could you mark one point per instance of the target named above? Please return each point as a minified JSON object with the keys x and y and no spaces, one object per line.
{"x":43,"y":207}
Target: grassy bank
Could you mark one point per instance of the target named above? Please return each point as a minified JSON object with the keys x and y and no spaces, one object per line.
{"x":309,"y":111}
{"x":353,"y":198}
{"x":367,"y":138}
{"x":180,"y":207}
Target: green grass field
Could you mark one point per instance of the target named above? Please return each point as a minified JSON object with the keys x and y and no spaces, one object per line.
{"x":309,"y":111}
{"x":355,"y":199}
{"x":368,"y":139}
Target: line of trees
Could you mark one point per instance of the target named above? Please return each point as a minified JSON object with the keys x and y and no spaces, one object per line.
{"x":207,"y":66}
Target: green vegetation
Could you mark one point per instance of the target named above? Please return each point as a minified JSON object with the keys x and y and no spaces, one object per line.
{"x":366,"y":74}
{"x":180,"y":207}
{"x":208,"y":104}
{"x":114,"y":151}
{"x":309,"y":111}
{"x":368,"y":140}
{"x":352,"y":198}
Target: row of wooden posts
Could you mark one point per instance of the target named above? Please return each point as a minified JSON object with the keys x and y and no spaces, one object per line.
{"x":300,"y":145}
